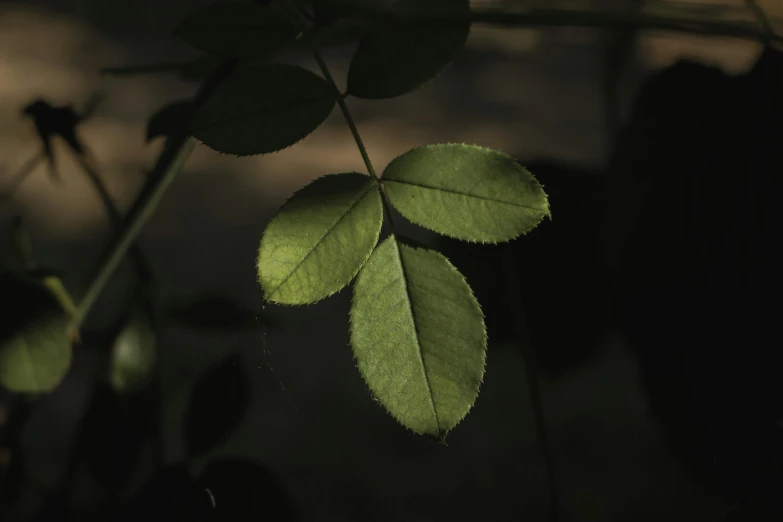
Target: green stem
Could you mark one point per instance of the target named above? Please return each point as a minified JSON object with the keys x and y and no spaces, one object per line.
{"x":142,"y":211}
{"x":659,"y":16}
{"x":514,"y":291}
{"x":170,"y":163}
{"x":763,"y":21}
{"x":144,"y":69}
{"x":142,"y":264}
{"x":354,"y":131}
{"x":346,"y":113}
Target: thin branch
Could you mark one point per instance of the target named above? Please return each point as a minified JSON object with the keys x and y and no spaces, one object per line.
{"x":144,"y":69}
{"x":142,"y":264}
{"x":763,"y":20}
{"x":514,"y":293}
{"x":713,"y":20}
{"x":352,"y":126}
{"x":20,"y":177}
{"x":170,"y":163}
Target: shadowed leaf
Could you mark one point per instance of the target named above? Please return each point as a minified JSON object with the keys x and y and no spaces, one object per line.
{"x":237,"y":29}
{"x":320,"y":239}
{"x":216,"y":407}
{"x":340,"y":32}
{"x":262,"y":109}
{"x":35,"y":346}
{"x":169,"y":120}
{"x":200,"y":68}
{"x":396,"y":57}
{"x":418,"y":337}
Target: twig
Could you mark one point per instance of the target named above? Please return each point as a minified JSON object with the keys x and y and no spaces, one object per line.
{"x":514,"y":292}
{"x":27,"y":169}
{"x":763,"y":20}
{"x":143,"y":266}
{"x":170,"y":162}
{"x":144,"y":69}
{"x":657,"y":16}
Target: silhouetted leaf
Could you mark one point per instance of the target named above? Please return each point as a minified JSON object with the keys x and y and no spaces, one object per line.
{"x":395,"y":57}
{"x":152,"y":68}
{"x":466,"y":192}
{"x":262,"y":109}
{"x":50,"y":122}
{"x":243,"y":490}
{"x":320,"y":239}
{"x":327,"y":12}
{"x":35,"y":348}
{"x":200,"y":68}
{"x":171,"y":494}
{"x":134,"y":355}
{"x":115,"y":433}
{"x":237,"y":29}
{"x":340,"y":32}
{"x":169,"y":120}
{"x":216,"y":313}
{"x":216,"y":406}
{"x":418,"y":337}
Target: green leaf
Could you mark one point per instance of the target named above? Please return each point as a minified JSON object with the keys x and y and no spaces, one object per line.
{"x":134,"y":355}
{"x":237,"y":29}
{"x":263,"y":109}
{"x":466,"y":192}
{"x":320,"y":239}
{"x":398,"y":57}
{"x":35,"y":346}
{"x":418,"y":336}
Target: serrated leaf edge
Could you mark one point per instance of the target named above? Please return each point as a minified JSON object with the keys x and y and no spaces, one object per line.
{"x":547,"y":213}
{"x":441,"y":437}
{"x":353,"y":276}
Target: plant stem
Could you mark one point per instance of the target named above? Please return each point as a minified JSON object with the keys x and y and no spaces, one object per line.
{"x":514,"y":292}
{"x":170,"y":163}
{"x":354,"y":131}
{"x":346,"y":113}
{"x":143,"y":266}
{"x":659,"y":16}
{"x":144,"y":69}
{"x":768,"y":35}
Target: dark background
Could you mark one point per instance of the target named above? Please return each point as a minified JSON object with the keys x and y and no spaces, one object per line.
{"x":651,"y":296}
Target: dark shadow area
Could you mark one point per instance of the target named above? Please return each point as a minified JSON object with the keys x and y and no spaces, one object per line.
{"x":678,"y":247}
{"x":256,"y":412}
{"x":692,"y":238}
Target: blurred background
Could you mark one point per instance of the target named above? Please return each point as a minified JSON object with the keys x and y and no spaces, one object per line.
{"x":623,"y":365}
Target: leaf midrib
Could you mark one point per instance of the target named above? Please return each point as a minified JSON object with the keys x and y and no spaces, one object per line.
{"x":416,"y":330}
{"x":450,"y":191}
{"x":334,"y":225}
{"x":261,"y":112}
